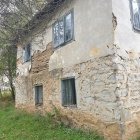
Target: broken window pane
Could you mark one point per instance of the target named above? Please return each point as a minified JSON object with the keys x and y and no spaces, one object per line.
{"x":136,"y":14}
{"x":68,"y":27}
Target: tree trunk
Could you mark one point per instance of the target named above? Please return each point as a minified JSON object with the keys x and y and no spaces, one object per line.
{"x":12,"y":91}
{"x":10,"y":75}
{"x":0,"y":93}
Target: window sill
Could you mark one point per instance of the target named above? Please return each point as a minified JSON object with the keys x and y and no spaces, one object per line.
{"x":64,"y":44}
{"x":39,"y":105}
{"x":26,"y":61}
{"x":69,"y":106}
{"x":136,"y":30}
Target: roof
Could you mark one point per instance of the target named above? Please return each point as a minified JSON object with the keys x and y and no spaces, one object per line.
{"x":50,"y":8}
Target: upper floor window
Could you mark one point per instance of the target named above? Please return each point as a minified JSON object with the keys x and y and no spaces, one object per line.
{"x":135,"y":11}
{"x":63,"y":29}
{"x":27,"y":53}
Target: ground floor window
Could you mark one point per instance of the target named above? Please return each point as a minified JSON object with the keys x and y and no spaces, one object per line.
{"x":68,"y":92}
{"x":38,"y":95}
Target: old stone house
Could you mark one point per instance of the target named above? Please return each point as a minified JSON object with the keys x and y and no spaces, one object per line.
{"x":83,"y":57}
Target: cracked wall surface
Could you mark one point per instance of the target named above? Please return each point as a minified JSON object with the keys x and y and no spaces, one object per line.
{"x":96,"y":85}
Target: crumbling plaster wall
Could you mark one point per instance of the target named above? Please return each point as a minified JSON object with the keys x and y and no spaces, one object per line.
{"x":124,"y":35}
{"x":127,"y":42}
{"x":92,"y":30}
{"x":98,"y":106}
{"x":89,"y":58}
{"x":87,"y":44}
{"x":107,"y":82}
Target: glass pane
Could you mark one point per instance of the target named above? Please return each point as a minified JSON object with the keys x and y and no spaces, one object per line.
{"x":68,"y":27}
{"x":64,"y":93}
{"x":68,"y":92}
{"x":38,"y":95}
{"x":24,"y":56}
{"x":61,"y":31}
{"x":56,"y":34}
{"x":29,"y":51}
{"x":73,"y":92}
{"x":136,"y":14}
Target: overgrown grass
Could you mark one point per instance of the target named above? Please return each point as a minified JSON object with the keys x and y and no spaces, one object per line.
{"x":138,"y":138}
{"x":19,"y":125}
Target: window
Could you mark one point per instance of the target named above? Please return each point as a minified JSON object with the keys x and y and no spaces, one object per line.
{"x":27,"y":53}
{"x":68,"y":92}
{"x":63,"y":30}
{"x":135,"y":12}
{"x":38,"y":95}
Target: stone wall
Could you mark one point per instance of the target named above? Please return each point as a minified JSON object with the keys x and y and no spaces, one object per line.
{"x":97,"y":100}
{"x":128,"y":93}
{"x":37,"y":74}
{"x":107,"y":90}
{"x":98,"y":106}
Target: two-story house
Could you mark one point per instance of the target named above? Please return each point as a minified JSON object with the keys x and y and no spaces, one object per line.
{"x":83,"y":57}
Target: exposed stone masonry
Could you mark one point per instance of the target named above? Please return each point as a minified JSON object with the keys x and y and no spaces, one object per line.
{"x":128,"y":93}
{"x":107,"y":90}
{"x":40,"y":60}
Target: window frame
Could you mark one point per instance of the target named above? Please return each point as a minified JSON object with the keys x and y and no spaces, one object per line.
{"x":132,"y":16}
{"x":25,"y":50}
{"x":62,"y":96}
{"x":57,"y":21}
{"x":35,"y":86}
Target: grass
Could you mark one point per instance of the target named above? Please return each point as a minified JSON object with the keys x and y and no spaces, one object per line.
{"x":19,"y":125}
